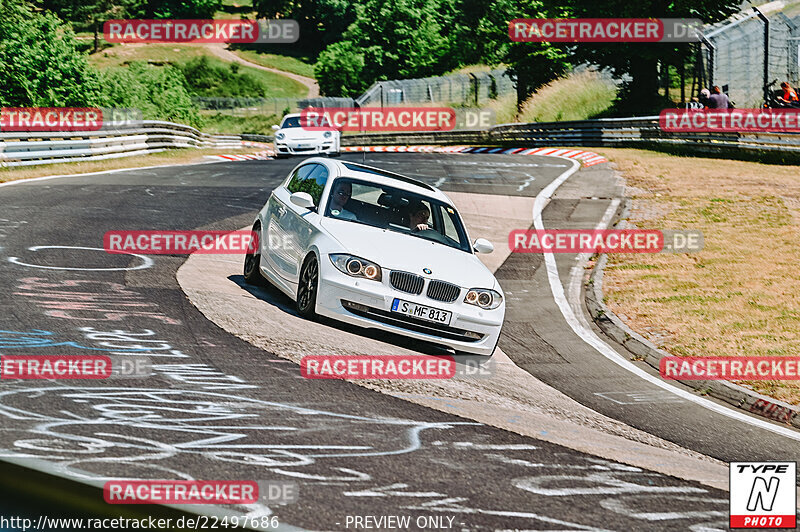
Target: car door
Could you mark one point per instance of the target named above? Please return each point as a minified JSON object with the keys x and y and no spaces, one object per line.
{"x":296,"y":225}
{"x":277,"y":238}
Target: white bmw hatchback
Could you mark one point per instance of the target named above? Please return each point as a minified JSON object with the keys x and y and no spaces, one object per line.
{"x":291,"y":138}
{"x":377,"y":249}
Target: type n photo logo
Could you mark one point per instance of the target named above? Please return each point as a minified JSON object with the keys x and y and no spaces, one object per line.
{"x":763,"y":494}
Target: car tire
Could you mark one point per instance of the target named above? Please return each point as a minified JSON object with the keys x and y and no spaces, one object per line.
{"x":252,"y":262}
{"x":307,"y":288}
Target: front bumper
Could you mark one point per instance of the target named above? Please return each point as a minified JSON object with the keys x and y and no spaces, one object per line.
{"x":302,"y":148}
{"x":368,"y":304}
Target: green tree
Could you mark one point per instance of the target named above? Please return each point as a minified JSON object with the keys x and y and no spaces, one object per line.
{"x":182,"y":9}
{"x":640,"y":60}
{"x":531,"y":65}
{"x":322,"y":22}
{"x":401,"y":39}
{"x":159,"y":92}
{"x":91,"y":14}
{"x":39,"y":62}
{"x":339,"y":70}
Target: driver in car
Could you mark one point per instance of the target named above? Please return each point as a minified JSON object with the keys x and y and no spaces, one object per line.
{"x":418,"y":217}
{"x":340,"y":196}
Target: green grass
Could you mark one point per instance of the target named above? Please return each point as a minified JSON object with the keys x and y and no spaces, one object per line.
{"x":281,"y":62}
{"x":212,"y":77}
{"x":236,"y":125}
{"x":258,"y":83}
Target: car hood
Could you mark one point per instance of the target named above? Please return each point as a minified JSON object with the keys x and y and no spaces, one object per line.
{"x":396,"y":251}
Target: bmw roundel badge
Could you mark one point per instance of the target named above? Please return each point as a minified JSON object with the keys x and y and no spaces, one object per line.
{"x":427,"y":270}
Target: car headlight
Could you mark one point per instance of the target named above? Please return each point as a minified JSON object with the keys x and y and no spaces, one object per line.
{"x":481,"y":297}
{"x":356,"y":266}
{"x":327,"y":134}
{"x":280,"y":136}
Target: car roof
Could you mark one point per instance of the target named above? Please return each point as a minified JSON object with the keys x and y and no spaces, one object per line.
{"x":382,"y":177}
{"x":293,"y":115}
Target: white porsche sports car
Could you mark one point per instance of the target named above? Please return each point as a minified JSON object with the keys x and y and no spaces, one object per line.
{"x":291,"y":138}
{"x":377,"y":249}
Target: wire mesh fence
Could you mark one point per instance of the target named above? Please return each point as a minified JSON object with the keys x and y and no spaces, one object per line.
{"x":458,"y":90}
{"x":733,"y":55}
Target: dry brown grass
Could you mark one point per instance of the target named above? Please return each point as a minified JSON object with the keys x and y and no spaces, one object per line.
{"x":178,"y":156}
{"x":740,"y":296}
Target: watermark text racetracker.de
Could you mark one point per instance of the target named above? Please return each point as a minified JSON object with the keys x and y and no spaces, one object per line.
{"x":604,"y":241}
{"x":394,"y":118}
{"x":394,"y":367}
{"x":284,"y":31}
{"x":74,"y":366}
{"x":200,"y":492}
{"x":605,"y":30}
{"x":730,"y":368}
{"x":186,"y":242}
{"x":67,"y":118}
{"x":730,"y":120}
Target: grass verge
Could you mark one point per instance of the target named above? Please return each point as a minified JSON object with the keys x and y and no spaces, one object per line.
{"x":236,"y":125}
{"x":740,"y":296}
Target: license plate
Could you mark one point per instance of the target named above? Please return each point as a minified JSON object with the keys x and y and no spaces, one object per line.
{"x":305,"y":145}
{"x":421,"y":311}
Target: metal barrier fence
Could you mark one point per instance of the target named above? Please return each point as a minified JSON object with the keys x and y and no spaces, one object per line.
{"x":733,"y":54}
{"x":20,"y":149}
{"x":151,"y":136}
{"x":608,"y":132}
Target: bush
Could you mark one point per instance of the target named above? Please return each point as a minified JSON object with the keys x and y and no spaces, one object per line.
{"x":205,"y":78}
{"x":40,"y":64}
{"x":159,"y":92}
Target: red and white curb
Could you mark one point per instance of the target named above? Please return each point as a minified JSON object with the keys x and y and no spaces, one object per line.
{"x":588,"y":158}
{"x":261,"y":156}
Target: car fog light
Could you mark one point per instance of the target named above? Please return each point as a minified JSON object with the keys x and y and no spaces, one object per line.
{"x":470,"y":334}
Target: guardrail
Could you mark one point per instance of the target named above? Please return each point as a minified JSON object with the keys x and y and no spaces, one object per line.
{"x":30,"y":148}
{"x":608,"y":132}
{"x":150,"y":136}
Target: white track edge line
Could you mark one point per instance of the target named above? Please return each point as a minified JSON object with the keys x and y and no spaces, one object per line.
{"x":591,"y":338}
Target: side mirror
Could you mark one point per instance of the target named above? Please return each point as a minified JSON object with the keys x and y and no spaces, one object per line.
{"x":482,"y":245}
{"x":276,"y":127}
{"x":304,"y":200}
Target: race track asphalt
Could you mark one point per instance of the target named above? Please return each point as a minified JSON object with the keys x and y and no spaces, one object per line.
{"x":220,"y":408}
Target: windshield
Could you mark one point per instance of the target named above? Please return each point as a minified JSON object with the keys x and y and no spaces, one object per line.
{"x":301,"y":121}
{"x":397,"y":210}
{"x":292,"y":121}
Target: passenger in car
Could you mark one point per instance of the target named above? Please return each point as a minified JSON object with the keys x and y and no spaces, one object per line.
{"x":341,"y":193}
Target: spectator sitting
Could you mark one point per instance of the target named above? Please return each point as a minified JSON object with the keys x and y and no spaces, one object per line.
{"x":703,"y":98}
